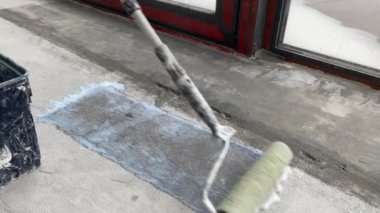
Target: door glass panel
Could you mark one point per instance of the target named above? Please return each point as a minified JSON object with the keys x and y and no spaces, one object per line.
{"x":348,"y":30}
{"x":208,"y":6}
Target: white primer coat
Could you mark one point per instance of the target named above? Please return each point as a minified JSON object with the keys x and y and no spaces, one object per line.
{"x":85,"y":90}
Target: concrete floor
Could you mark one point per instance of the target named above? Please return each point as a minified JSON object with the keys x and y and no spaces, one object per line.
{"x":330,"y":123}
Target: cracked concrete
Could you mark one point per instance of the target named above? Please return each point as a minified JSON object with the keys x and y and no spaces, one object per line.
{"x":331,"y":123}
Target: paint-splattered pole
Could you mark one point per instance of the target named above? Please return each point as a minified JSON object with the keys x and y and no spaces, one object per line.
{"x":188,"y":89}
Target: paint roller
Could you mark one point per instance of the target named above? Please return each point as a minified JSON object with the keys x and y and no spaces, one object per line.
{"x":258,"y":184}
{"x":258,"y":187}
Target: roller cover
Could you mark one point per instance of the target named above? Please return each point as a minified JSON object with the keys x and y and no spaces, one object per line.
{"x":256,"y":185}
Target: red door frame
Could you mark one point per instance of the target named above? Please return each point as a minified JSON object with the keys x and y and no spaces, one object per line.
{"x":246,"y":28}
{"x":219,"y":27}
{"x":231,"y":26}
{"x":270,"y":23}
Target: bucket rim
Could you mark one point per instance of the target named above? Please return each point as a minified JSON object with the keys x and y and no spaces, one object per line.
{"x":23,"y":74}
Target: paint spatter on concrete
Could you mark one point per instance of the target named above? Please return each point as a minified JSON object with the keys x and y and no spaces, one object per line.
{"x":171,"y":153}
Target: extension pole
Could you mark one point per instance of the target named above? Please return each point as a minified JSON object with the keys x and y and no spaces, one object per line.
{"x":188,"y":89}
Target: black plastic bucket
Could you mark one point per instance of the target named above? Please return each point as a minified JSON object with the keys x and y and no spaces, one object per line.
{"x":19,"y":151}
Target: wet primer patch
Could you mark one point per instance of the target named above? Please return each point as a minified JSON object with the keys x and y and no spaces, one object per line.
{"x":171,"y":153}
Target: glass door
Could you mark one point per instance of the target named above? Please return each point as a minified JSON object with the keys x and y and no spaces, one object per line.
{"x":340,"y":34}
